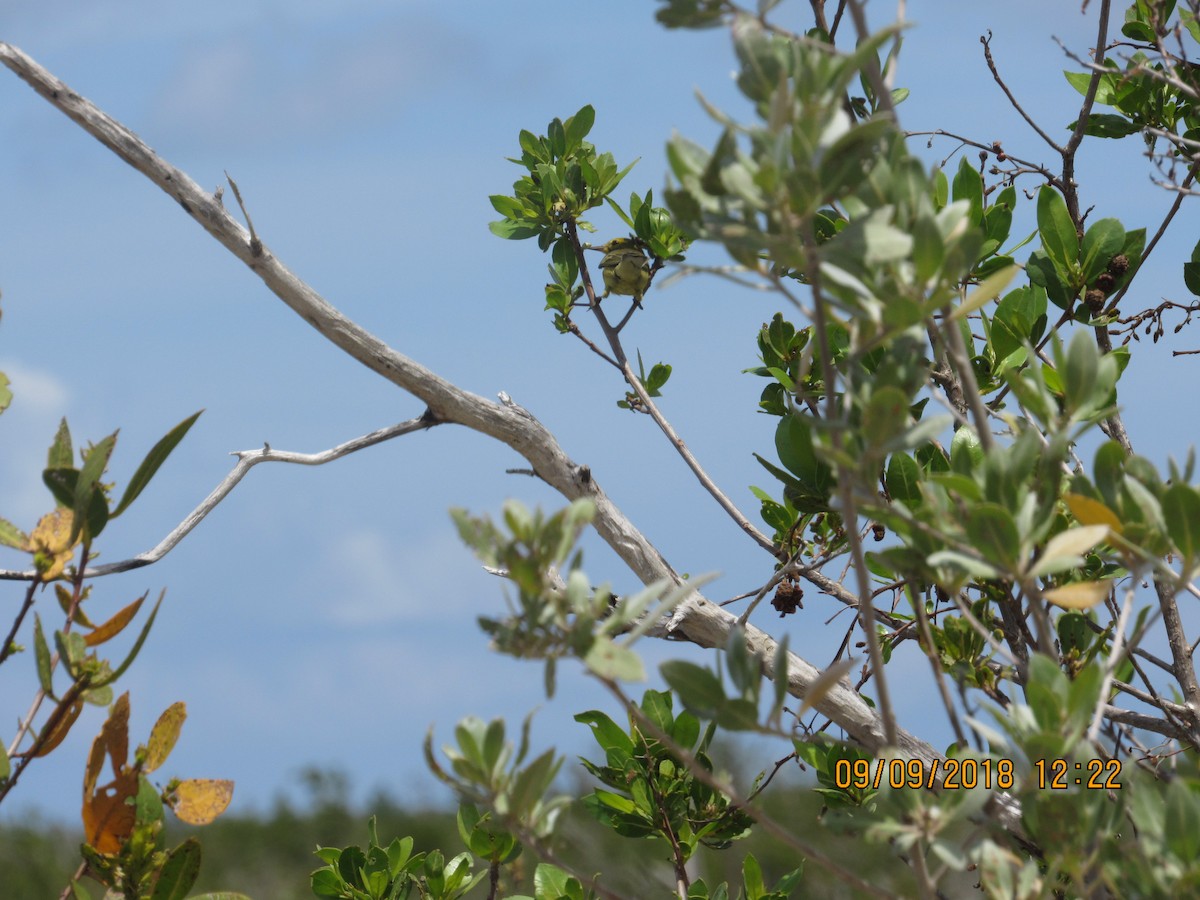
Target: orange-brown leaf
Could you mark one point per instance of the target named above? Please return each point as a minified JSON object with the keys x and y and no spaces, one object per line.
{"x":115,"y":625}
{"x":58,"y":730}
{"x":109,"y":815}
{"x":95,"y":763}
{"x":164,"y":735}
{"x":115,"y":733}
{"x":198,"y":801}
{"x":1092,"y":512}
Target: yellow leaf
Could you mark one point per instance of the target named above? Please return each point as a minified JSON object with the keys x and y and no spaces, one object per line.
{"x":1092,"y":512}
{"x":1075,"y":541}
{"x":1080,"y":595}
{"x":198,"y":801}
{"x":115,"y":625}
{"x":48,"y":543}
{"x":64,"y":601}
{"x":988,"y":289}
{"x":164,"y":735}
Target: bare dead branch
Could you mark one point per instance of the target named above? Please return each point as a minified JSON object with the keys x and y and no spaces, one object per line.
{"x":697,"y":620}
{"x":247,"y":459}
{"x":986,"y":41}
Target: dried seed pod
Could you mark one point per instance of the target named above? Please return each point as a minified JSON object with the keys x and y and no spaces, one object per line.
{"x":1118,"y":265}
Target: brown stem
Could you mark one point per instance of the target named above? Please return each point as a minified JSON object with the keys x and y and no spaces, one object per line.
{"x":26,"y":605}
{"x":991,"y":64}
{"x":849,"y":509}
{"x":1181,"y":654}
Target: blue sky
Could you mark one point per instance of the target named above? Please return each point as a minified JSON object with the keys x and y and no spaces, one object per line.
{"x":327,"y":616}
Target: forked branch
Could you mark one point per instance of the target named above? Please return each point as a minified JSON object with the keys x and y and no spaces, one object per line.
{"x":698,"y":620}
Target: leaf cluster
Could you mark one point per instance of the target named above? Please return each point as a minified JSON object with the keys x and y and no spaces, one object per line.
{"x":651,"y":791}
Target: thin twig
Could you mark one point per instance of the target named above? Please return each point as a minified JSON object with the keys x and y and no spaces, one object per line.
{"x":1116,"y":654}
{"x":849,"y":509}
{"x":991,"y":64}
{"x":614,"y":342}
{"x":247,"y":459}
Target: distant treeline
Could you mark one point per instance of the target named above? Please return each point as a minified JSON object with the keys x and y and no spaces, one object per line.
{"x":269,"y":855}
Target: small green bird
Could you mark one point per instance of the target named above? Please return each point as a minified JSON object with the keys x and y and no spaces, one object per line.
{"x":625,"y":268}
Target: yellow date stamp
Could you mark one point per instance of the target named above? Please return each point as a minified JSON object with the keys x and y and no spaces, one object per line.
{"x":1091,"y":774}
{"x":968,"y":774}
{"x":948,"y":774}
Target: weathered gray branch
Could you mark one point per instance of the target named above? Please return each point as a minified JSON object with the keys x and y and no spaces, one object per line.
{"x":247,"y":459}
{"x":699,"y":621}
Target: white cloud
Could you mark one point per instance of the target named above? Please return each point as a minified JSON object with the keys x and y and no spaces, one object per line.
{"x":26,"y":429}
{"x":35,"y":391}
{"x":383,"y":580}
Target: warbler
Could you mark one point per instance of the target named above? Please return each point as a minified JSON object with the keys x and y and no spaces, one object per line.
{"x":625,"y":267}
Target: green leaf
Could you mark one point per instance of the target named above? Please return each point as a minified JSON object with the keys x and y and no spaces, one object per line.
{"x":968,"y":185}
{"x":61,"y":483}
{"x":1044,"y":274}
{"x":941,"y":189}
{"x":1181,"y":510}
{"x":1059,"y":238}
{"x":614,"y":662}
{"x":1182,"y":828}
{"x":966,"y":453}
{"x":698,"y":688}
{"x":12,"y":536}
{"x":1101,"y":242}
{"x":41,"y":652}
{"x":1109,"y":472}
{"x":657,"y":707}
{"x":752,"y":878}
{"x":1108,"y":125}
{"x":552,"y":883}
{"x":1079,"y":372}
{"x":1191,"y":277}
{"x":154,"y":459}
{"x":60,"y":455}
{"x":794,"y":443}
{"x":514,"y":231}
{"x":90,"y":506}
{"x":928,"y":250}
{"x":686,"y":727}
{"x":509,"y":207}
{"x":659,"y":375}
{"x":606,"y":732}
{"x":1191,"y":271}
{"x":578,"y":126}
{"x":993,"y":532}
{"x":903,"y":480}
{"x":885,"y":415}
{"x":1079,"y":80}
{"x":997,"y":218}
